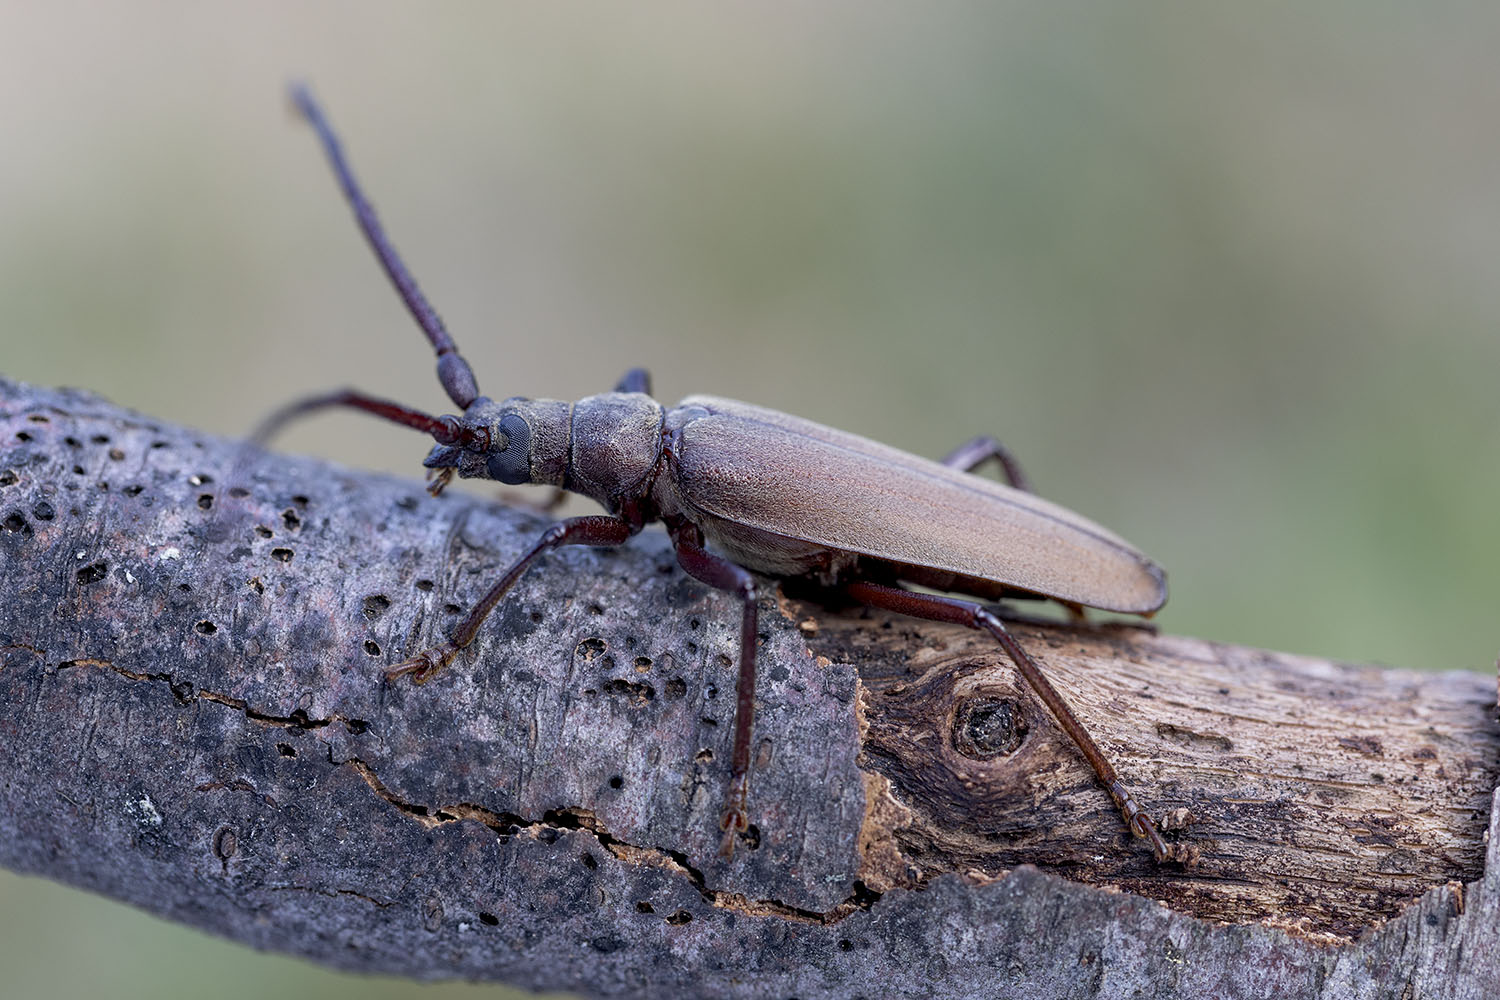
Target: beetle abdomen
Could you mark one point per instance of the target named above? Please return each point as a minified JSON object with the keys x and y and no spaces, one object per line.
{"x":798,"y":479}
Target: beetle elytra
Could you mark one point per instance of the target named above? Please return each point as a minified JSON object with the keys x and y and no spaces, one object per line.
{"x":742,"y":488}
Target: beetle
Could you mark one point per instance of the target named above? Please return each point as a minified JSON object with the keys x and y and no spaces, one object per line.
{"x":742,"y":489}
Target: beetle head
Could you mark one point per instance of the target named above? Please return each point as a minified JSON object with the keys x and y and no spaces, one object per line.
{"x":490,"y":441}
{"x":511,"y":442}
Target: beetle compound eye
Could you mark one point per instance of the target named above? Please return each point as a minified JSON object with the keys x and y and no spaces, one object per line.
{"x":510,"y":463}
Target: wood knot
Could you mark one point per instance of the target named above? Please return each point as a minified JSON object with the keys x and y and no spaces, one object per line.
{"x":987,"y":727}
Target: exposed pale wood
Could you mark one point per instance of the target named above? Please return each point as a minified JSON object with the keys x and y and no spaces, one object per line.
{"x":193,"y":721}
{"x":1311,"y":791}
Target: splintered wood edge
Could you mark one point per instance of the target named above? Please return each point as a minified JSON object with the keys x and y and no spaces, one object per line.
{"x":1312,"y":794}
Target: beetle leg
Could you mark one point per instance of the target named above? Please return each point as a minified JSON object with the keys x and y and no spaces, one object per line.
{"x":635,"y":380}
{"x":972,"y":454}
{"x":722,"y":574}
{"x":594,"y":530}
{"x":976,"y":616}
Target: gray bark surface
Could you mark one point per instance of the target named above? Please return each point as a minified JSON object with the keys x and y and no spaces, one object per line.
{"x":193,"y":719}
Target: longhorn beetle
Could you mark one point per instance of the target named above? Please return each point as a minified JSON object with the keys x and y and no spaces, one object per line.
{"x":743,"y":488}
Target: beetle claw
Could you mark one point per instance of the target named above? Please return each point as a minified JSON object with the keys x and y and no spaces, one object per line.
{"x":733,"y":822}
{"x":424,"y":665}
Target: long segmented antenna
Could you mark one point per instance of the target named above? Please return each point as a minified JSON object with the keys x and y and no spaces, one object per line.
{"x":444,"y":430}
{"x":453,"y":371}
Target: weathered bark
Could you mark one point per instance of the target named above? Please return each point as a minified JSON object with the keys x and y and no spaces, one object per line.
{"x":194,"y":721}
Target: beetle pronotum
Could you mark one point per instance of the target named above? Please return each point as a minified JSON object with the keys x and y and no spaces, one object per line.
{"x":743,"y":488}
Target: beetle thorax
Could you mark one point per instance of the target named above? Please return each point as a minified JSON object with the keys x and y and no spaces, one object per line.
{"x":615,"y":443}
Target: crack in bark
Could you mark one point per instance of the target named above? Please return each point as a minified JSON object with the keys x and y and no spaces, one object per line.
{"x":185,"y":694}
{"x":507,"y":824}
{"x":504,"y":824}
{"x":333,"y":894}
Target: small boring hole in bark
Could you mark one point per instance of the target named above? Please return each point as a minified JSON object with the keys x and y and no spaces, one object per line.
{"x":205,"y":627}
{"x":92,"y":574}
{"x":282,"y":555}
{"x":616,"y":782}
{"x":226,"y":843}
{"x":489,"y":920}
{"x":676,"y":688}
{"x":263,"y":531}
{"x":372,"y":647}
{"x":679,"y":918}
{"x":376,"y":605}
{"x":424,"y":585}
{"x":286,"y":750}
{"x":588,"y":861}
{"x":644,"y":907}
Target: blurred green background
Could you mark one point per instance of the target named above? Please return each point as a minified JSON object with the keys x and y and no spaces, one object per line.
{"x":1225,"y":279}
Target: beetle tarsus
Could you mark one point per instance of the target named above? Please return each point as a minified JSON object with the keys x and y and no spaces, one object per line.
{"x":1136,"y":819}
{"x":735,"y":820}
{"x":424,"y":665}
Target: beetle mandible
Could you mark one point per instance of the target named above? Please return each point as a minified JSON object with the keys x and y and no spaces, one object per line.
{"x":741,"y":488}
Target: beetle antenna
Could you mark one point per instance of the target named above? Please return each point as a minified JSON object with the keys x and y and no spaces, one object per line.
{"x":445,"y":430}
{"x":453,"y":371}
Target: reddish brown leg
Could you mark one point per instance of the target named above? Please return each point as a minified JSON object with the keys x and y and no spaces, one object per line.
{"x":594,"y":530}
{"x":959,"y":612}
{"x":722,"y":574}
{"x":972,"y":454}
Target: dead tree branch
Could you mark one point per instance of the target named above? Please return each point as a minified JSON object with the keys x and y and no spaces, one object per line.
{"x":195,"y":722}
